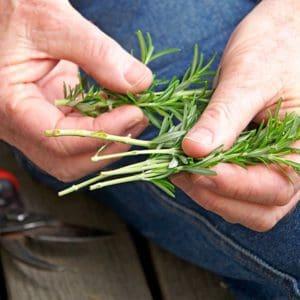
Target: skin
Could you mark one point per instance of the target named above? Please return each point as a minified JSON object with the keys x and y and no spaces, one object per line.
{"x":260,"y":65}
{"x":39,"y":51}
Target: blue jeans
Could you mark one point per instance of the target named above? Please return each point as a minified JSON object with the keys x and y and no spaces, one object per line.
{"x":255,"y":265}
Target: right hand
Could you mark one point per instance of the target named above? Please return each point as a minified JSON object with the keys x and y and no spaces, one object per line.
{"x":259,"y":66}
{"x":42,"y":44}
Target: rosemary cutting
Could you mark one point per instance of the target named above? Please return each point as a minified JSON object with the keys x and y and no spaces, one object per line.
{"x":163,"y":98}
{"x":174,"y":110}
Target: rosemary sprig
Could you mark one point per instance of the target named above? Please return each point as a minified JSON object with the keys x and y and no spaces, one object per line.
{"x":268,"y":144}
{"x":163,"y":98}
{"x":174,"y":110}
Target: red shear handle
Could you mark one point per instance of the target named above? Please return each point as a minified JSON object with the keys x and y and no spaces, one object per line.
{"x":5,"y":175}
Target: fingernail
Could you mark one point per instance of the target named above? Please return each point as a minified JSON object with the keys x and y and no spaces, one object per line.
{"x":137,"y":74}
{"x":201,"y":135}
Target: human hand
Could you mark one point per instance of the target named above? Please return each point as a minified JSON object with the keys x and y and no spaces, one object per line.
{"x":42,"y":43}
{"x":260,"y":65}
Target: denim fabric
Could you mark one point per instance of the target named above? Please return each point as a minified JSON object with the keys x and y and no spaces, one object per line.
{"x":255,"y":265}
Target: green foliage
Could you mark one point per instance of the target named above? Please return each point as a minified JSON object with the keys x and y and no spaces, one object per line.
{"x":163,"y":98}
{"x":147,"y":48}
{"x":174,"y":110}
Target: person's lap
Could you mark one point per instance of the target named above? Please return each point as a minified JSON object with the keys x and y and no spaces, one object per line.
{"x":257,"y":265}
{"x":260,"y":265}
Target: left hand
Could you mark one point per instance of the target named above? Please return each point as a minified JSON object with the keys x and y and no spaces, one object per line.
{"x":260,"y":65}
{"x":42,"y":44}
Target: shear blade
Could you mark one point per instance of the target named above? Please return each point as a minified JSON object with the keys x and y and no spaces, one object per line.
{"x":19,"y":252}
{"x":67,"y":234}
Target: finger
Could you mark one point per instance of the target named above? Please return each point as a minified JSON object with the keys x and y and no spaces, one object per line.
{"x":67,"y":35}
{"x":257,"y":184}
{"x":254,"y":216}
{"x":32,"y":115}
{"x":237,"y":99}
{"x":26,"y":72}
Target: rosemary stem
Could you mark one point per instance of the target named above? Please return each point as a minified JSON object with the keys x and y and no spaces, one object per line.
{"x":96,"y":157}
{"x":184,"y":92}
{"x":98,"y":135}
{"x":137,"y":165}
{"x":135,"y":169}
{"x":131,"y":169}
{"x":61,"y":102}
{"x":79,"y":186}
{"x":101,"y":176}
{"x":165,"y":103}
{"x":116,"y":181}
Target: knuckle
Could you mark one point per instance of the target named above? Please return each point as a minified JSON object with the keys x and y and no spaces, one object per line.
{"x":265,"y":223}
{"x":219,"y":111}
{"x":100,"y":49}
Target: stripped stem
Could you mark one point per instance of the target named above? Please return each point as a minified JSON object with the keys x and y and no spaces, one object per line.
{"x":116,"y":181}
{"x":97,"y":157}
{"x":98,"y":135}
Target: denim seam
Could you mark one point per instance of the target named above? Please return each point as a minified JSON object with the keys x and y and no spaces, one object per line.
{"x":257,"y":263}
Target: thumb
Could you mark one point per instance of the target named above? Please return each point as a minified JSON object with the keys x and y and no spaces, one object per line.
{"x":232,"y":107}
{"x":71,"y":37}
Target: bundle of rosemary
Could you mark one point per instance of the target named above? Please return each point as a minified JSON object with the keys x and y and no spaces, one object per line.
{"x":163,"y":98}
{"x":174,"y":106}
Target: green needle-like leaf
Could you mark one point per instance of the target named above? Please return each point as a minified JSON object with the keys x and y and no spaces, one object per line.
{"x":174,"y":106}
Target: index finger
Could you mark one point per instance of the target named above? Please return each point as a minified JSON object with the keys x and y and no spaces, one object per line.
{"x":257,"y":184}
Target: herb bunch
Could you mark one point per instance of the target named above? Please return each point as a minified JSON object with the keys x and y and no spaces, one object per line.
{"x":268,"y":144}
{"x":175,"y":110}
{"x":163,"y":98}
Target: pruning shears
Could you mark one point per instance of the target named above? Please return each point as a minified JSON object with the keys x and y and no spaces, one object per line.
{"x":18,"y":225}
